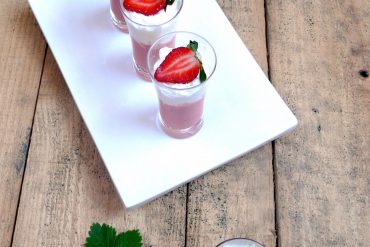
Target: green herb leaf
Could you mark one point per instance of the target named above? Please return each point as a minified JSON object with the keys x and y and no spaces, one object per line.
{"x":101,"y":236}
{"x":105,"y":236}
{"x":193,"y":45}
{"x":202,"y":73}
{"x":168,"y":2}
{"x":129,"y":239}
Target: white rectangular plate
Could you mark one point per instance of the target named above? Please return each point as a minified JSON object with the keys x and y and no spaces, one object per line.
{"x":242,"y":109}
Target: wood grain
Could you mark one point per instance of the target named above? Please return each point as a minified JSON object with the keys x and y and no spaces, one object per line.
{"x":317,"y":49}
{"x":22,"y":50}
{"x":67,"y":188}
{"x":237,"y":200}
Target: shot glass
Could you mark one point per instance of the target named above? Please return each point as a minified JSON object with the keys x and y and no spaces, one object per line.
{"x":144,"y":30}
{"x":240,"y":242}
{"x":117,"y":16}
{"x":181,"y":106}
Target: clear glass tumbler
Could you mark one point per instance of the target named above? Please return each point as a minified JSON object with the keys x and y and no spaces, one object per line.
{"x":117,"y":16}
{"x":144,"y":30}
{"x":240,"y":242}
{"x":181,"y":105}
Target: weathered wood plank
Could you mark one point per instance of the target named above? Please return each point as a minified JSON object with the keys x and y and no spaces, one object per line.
{"x":317,"y":49}
{"x":237,"y":200}
{"x":67,"y":188}
{"x":22,"y":51}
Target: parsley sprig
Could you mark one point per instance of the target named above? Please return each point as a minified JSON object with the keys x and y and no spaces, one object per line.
{"x":106,"y":236}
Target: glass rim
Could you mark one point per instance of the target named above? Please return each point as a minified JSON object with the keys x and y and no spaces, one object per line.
{"x":123,"y":11}
{"x":167,"y":85}
{"x":240,"y":238}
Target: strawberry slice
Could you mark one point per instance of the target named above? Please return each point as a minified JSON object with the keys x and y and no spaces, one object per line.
{"x":146,"y":7}
{"x":181,"y":65}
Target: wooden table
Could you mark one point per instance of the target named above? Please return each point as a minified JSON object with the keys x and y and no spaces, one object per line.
{"x":310,"y":188}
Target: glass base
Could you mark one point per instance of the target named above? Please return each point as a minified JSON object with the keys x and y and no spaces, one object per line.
{"x":142,"y":73}
{"x":179,"y":133}
{"x":120,"y":24}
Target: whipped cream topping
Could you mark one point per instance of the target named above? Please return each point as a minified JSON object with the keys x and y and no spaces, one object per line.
{"x":157,"y":19}
{"x":147,"y":29}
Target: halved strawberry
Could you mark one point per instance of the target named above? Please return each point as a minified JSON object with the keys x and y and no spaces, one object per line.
{"x":146,"y":7}
{"x":181,"y":65}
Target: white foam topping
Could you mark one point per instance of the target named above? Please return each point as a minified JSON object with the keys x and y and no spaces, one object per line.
{"x":157,"y":19}
{"x":148,"y":29}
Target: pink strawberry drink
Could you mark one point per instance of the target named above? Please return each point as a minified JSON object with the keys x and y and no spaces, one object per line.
{"x":140,"y":52}
{"x":180,"y":82}
{"x":145,"y":25}
{"x":117,"y":16}
{"x":181,"y":116}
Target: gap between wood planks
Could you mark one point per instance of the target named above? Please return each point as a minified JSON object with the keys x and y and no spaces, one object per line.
{"x":273,"y":161}
{"x":29,"y":144}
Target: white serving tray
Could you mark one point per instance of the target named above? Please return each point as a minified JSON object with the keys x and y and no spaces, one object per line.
{"x":243,"y":110}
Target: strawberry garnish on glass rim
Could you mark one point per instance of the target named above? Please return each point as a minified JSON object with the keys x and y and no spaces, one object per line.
{"x":146,"y":7}
{"x":181,"y":65}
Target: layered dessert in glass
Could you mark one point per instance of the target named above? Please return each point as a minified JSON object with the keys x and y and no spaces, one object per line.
{"x":180,"y":65}
{"x":147,"y":20}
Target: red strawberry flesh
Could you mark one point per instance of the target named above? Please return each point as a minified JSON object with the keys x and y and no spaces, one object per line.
{"x":180,"y":66}
{"x":145,"y":7}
